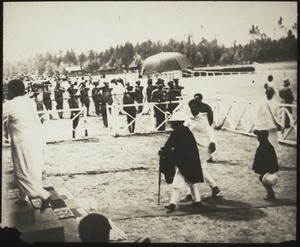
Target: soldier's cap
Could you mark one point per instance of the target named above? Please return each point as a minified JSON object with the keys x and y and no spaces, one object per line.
{"x":119,"y":80}
{"x":175,"y":79}
{"x":138,"y":82}
{"x":106,"y":83}
{"x":129,"y":88}
{"x":170,"y":82}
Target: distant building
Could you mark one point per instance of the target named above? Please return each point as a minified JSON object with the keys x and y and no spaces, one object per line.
{"x":75,"y":70}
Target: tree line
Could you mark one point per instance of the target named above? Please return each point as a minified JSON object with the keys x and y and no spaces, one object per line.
{"x":123,"y":57}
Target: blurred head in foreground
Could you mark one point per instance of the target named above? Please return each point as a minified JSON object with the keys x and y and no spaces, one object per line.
{"x":15,"y":88}
{"x":94,"y":228}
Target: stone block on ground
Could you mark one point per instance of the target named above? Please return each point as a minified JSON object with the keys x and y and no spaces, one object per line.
{"x":51,"y":231}
{"x":20,"y":215}
{"x":63,"y":213}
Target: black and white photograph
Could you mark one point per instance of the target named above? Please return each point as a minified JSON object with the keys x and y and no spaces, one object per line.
{"x":149,"y":122}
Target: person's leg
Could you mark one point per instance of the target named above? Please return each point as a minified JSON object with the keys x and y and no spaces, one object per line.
{"x":104,"y":114}
{"x":203,"y":152}
{"x":195,"y":192}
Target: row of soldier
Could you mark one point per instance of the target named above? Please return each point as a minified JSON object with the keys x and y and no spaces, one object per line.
{"x":114,"y":92}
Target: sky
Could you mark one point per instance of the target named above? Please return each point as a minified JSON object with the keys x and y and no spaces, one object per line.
{"x":31,"y":27}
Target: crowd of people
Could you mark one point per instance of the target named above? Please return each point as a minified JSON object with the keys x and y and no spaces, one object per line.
{"x":187,"y":150}
{"x":80,"y":92}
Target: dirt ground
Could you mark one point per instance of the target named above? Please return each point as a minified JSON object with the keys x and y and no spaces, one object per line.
{"x":122,"y":173}
{"x":119,"y":173}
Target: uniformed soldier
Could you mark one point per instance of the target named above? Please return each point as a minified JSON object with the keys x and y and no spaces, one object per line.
{"x":73,"y":103}
{"x":287,"y":97}
{"x":150,"y":88}
{"x":177,"y":86}
{"x":173,"y":93}
{"x":58,"y":94}
{"x":96,"y":96}
{"x":84,"y":97}
{"x":105,"y":99}
{"x":159,"y":95}
{"x":129,"y":97}
{"x":139,"y":97}
{"x":47,"y":99}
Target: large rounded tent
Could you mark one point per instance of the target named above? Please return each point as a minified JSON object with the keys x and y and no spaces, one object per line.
{"x":165,"y":61}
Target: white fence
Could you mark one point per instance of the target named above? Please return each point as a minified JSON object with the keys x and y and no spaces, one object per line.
{"x":61,"y":129}
{"x":236,"y":116}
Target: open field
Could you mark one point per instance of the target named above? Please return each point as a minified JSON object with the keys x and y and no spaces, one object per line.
{"x":121,"y":173}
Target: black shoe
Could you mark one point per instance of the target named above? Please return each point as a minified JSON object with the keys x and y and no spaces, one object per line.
{"x":270,"y":197}
{"x":188,"y":198}
{"x":170,"y":207}
{"x":195,"y":205}
{"x":210,"y":160}
{"x":215,"y":191}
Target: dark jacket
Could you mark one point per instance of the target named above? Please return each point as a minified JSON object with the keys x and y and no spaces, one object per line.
{"x":265,"y":160}
{"x":185,"y":154}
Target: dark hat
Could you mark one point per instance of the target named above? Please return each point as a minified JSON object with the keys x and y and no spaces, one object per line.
{"x":175,"y":79}
{"x":170,"y":83}
{"x":138,"y":82}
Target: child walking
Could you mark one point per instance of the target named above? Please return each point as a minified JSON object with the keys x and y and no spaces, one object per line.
{"x":265,"y":161}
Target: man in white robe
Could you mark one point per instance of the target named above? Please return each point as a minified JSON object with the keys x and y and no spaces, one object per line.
{"x":27,"y":144}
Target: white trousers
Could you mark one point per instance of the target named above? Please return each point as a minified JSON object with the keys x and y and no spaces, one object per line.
{"x":179,"y":183}
{"x":204,"y":154}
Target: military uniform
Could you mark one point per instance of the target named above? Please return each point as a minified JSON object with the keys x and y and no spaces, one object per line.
{"x":84,"y":98}
{"x":96,"y":95}
{"x":105,"y":99}
{"x":129,"y":98}
{"x":58,"y":94}
{"x":73,"y":103}
{"x":159,"y":95}
{"x":139,"y":97}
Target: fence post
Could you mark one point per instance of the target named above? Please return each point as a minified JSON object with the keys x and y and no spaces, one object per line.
{"x":85,"y":120}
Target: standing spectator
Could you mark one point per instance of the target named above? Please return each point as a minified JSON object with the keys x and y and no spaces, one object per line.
{"x":105,"y":99}
{"x":182,"y":148}
{"x":159,"y":95}
{"x":59,"y":98}
{"x":47,"y":100}
{"x":271,"y":84}
{"x":129,"y":97}
{"x":265,"y":162}
{"x":200,"y":128}
{"x":205,"y":108}
{"x":27,"y":144}
{"x":139,"y":97}
{"x":73,"y":104}
{"x":96,"y":97}
{"x":84,"y":97}
{"x":267,"y":117}
{"x":287,"y":97}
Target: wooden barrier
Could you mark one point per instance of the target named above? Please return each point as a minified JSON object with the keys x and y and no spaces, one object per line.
{"x":237,"y":116}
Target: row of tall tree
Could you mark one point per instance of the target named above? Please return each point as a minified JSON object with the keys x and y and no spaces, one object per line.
{"x":123,"y":57}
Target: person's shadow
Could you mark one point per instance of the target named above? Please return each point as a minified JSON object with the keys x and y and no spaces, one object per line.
{"x":213,"y":207}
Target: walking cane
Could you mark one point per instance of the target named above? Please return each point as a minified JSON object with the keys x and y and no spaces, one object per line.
{"x":159,"y":183}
